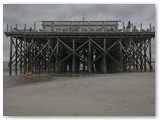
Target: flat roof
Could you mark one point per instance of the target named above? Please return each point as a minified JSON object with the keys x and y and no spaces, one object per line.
{"x":85,"y":21}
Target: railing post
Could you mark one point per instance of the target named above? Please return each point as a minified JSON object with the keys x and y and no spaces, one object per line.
{"x":25,"y":27}
{"x":7,"y":27}
{"x":10,"y":28}
{"x":123,"y":27}
{"x":150,"y":27}
{"x":141,"y":27}
{"x":34,"y":25}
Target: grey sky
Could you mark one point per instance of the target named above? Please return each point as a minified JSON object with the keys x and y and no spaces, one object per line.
{"x":27,"y":14}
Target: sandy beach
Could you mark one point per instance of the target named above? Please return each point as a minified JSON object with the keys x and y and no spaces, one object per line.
{"x":119,"y":94}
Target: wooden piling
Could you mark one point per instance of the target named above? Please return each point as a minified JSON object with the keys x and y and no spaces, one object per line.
{"x":104,"y":56}
{"x":10,"y":61}
{"x":73,"y":56}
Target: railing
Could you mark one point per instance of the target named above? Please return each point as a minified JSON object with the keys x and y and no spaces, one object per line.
{"x":37,"y":27}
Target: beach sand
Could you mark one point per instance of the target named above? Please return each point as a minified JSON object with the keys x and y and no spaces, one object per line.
{"x":119,"y":94}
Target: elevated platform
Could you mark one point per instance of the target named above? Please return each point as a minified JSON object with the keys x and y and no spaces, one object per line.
{"x":103,"y":47}
{"x":136,"y":36}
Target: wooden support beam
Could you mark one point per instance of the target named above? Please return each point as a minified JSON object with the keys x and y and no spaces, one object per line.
{"x":104,"y":56}
{"x":39,"y":59}
{"x":81,"y":45}
{"x":10,"y":61}
{"x":145,"y":56}
{"x":120,"y":52}
{"x":150,"y":56}
{"x":57,"y":54}
{"x":89,"y":56}
{"x":106,"y":53}
{"x":84,"y":58}
{"x":130,"y":58}
{"x":16,"y":57}
{"x":112,"y":45}
{"x":53,"y":50}
{"x":73,"y":56}
{"x":141,"y":57}
{"x":137,"y":57}
{"x":32,"y":52}
{"x":48,"y":56}
{"x":125,"y":51}
{"x":21,"y":57}
{"x":25,"y":57}
{"x":40,"y":51}
{"x":71,"y":49}
{"x":65,"y":58}
{"x":94,"y":60}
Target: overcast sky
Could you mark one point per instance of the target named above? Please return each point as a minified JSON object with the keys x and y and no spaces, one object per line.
{"x":27,"y":14}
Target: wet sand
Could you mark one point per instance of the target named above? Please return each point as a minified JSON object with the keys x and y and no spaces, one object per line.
{"x":119,"y":94}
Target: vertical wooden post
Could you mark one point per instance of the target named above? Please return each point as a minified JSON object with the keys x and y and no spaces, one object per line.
{"x":21,"y":56}
{"x":150,"y":56}
{"x":141,"y":59}
{"x":145,"y":56}
{"x":73,"y":57}
{"x":57,"y":69}
{"x":32,"y":52}
{"x":123,"y":27}
{"x":150,"y":27}
{"x":25,"y":57}
{"x":129,"y":60}
{"x":89,"y":56}
{"x":104,"y":56}
{"x":10,"y":61}
{"x":121,"y":55}
{"x":34,"y":25}
{"x":84,"y":58}
{"x":16,"y":26}
{"x":16,"y":47}
{"x":25,"y":27}
{"x":48,"y":52}
{"x":136,"y":53}
{"x":132,"y":27}
{"x":141,"y":27}
{"x":39,"y":58}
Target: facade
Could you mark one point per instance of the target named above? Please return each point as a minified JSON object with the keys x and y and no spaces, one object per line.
{"x":80,"y":26}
